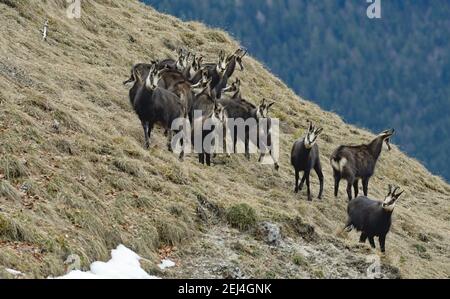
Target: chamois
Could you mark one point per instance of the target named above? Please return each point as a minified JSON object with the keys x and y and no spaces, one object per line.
{"x":139,"y":70}
{"x":231,"y":62}
{"x":246,"y":111}
{"x":372,"y":218}
{"x":354,"y":163}
{"x":212,"y":112}
{"x":305,"y":157}
{"x":180,"y":64}
{"x":155,"y":105}
{"x":174,"y":81}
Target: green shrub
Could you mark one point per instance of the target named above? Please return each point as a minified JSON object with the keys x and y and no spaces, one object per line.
{"x":241,"y":216}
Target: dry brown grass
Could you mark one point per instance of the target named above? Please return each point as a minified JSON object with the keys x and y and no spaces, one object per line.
{"x":86,"y":184}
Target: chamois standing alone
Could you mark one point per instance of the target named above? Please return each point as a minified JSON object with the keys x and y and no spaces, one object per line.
{"x":354,"y":163}
{"x":305,"y":157}
{"x":372,"y":218}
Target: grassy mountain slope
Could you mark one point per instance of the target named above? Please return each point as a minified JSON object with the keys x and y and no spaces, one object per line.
{"x":74,"y":177}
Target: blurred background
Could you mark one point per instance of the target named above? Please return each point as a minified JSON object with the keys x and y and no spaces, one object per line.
{"x":375,"y":73}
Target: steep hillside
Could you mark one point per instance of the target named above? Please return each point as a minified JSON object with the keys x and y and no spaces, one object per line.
{"x":321,"y":50}
{"x":74,"y":177}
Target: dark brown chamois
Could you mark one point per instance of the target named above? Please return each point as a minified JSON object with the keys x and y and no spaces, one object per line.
{"x":305,"y":157}
{"x":155,"y":105}
{"x":372,"y":218}
{"x":231,"y":63}
{"x":354,"y":163}
{"x":208,"y":117}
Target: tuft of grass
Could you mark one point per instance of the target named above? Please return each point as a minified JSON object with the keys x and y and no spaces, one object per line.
{"x":216,"y":36}
{"x":64,"y":146}
{"x":299,"y":260}
{"x":12,"y":230}
{"x":12,"y":168}
{"x":128,"y":166}
{"x":171,"y":231}
{"x":8,"y":191}
{"x":241,"y":216}
{"x":422,"y":252}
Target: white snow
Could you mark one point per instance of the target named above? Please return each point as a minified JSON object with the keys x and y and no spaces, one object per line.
{"x":13,"y":272}
{"x":124,"y":264}
{"x":166,"y":263}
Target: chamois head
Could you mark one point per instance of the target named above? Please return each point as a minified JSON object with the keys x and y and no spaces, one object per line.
{"x":391,"y":199}
{"x":239,"y":55}
{"x":219,"y":113}
{"x":312,"y":135}
{"x":222,"y":65}
{"x":183,"y":59}
{"x":234,"y":87}
{"x":153,"y":77}
{"x":386,"y":136}
{"x":197,"y":63}
{"x":204,"y":81}
{"x":263,"y":109}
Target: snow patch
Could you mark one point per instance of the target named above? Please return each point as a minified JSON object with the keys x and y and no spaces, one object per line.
{"x":124,"y":264}
{"x":13,"y":272}
{"x":166,"y":263}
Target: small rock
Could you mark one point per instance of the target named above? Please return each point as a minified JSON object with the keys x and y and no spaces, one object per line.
{"x":269,"y":233}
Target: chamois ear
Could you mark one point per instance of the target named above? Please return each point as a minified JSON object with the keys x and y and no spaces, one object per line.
{"x":398,"y":195}
{"x":245,"y":53}
{"x":319,"y":131}
{"x":270,"y":104}
{"x":311,"y":126}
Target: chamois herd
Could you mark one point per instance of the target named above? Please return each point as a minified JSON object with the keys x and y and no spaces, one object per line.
{"x":189,"y":90}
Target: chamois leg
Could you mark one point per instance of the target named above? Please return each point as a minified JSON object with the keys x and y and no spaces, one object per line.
{"x":349,"y":189}
{"x":208,"y":159}
{"x":247,"y":147}
{"x":297,"y":177}
{"x":363,"y":238}
{"x":337,"y":180}
{"x":365,"y":183}
{"x":355,"y":186}
{"x":169,"y":140}
{"x":201,"y":158}
{"x":261,"y":156}
{"x":235,"y":141}
{"x":308,"y":187}
{"x":146,"y":127}
{"x":382,"y":240}
{"x":182,"y":149}
{"x":372,"y":242}
{"x":319,"y":172}
{"x":302,"y":182}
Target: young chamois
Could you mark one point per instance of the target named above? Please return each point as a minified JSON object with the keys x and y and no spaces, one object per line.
{"x":305,"y":157}
{"x":372,"y":218}
{"x":208,"y":117}
{"x":354,"y":163}
{"x":155,"y":105}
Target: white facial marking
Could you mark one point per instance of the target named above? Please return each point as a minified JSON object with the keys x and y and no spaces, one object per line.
{"x":148,"y":82}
